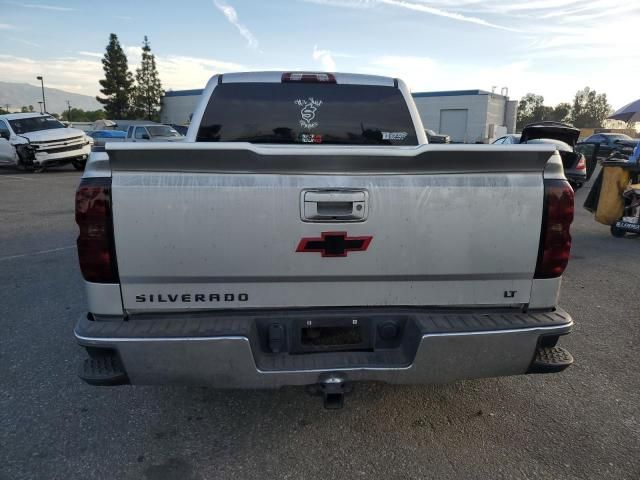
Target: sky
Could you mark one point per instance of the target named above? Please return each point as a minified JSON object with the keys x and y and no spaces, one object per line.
{"x":549,"y":47}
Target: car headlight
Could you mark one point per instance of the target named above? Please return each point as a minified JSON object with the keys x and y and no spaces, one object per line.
{"x":88,"y":139}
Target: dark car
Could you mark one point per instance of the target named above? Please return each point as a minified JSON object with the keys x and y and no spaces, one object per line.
{"x":610,"y":142}
{"x":564,"y":137}
{"x":434,"y":137}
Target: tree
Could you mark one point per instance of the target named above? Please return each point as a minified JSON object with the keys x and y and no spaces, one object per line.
{"x":531,"y":109}
{"x":117,"y":85}
{"x":561,"y":113}
{"x":79,"y":115}
{"x":148,"y":90}
{"x":590,"y":109}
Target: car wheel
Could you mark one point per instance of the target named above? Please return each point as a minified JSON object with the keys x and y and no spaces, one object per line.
{"x":79,"y":164}
{"x":617,"y":232}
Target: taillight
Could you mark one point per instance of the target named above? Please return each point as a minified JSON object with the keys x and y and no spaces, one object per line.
{"x":555,"y":238}
{"x":96,"y":250}
{"x":582,"y":165}
{"x":308,"y":77}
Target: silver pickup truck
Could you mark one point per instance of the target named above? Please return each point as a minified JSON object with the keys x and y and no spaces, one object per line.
{"x":305,"y":233}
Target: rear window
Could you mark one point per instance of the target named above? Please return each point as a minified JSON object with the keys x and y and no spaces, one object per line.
{"x":295,"y":113}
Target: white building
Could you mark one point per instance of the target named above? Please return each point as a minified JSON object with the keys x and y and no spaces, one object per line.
{"x":467,"y":116}
{"x":178,"y":106}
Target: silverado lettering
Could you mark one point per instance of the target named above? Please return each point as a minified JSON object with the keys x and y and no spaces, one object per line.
{"x":191,"y":297}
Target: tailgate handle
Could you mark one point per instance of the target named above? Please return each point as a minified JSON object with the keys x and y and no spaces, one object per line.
{"x":334,"y":205}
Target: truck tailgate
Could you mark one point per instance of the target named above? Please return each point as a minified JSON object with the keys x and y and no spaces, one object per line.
{"x":220,"y":226}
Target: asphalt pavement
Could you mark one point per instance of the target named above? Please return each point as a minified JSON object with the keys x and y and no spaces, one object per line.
{"x":580,"y":424}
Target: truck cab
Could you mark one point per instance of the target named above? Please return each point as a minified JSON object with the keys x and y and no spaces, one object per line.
{"x":152,"y":133}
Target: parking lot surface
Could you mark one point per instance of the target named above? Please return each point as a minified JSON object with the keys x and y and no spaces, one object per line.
{"x":583,"y":423}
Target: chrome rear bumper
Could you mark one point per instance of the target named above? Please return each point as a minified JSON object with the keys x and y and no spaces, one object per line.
{"x":203,"y":350}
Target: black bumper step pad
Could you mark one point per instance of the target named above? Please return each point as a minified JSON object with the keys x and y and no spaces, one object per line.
{"x":105,"y":371}
{"x":550,"y":360}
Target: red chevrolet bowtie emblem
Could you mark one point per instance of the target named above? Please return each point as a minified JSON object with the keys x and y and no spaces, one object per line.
{"x":334,"y":244}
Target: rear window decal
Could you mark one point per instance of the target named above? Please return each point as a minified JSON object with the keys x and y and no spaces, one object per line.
{"x":394,"y":135}
{"x":308,"y":111}
{"x":310,"y":138}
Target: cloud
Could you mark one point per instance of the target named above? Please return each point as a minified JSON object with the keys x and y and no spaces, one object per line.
{"x":179,"y":72}
{"x":416,"y":6}
{"x":414,"y":70}
{"x":6,"y":26}
{"x":25,"y":42}
{"x":520,"y":77}
{"x":539,"y":5}
{"x":80,"y":74}
{"x":325,"y":58}
{"x":90,"y":54}
{"x":42,"y":6}
{"x":71,"y":74}
{"x":232,"y":16}
{"x":344,"y":3}
{"x":419,"y":7}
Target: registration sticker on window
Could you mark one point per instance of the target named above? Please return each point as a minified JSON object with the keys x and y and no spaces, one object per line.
{"x":394,"y":135}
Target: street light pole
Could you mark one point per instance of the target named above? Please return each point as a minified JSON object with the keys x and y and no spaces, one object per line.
{"x":40,"y":103}
{"x":44,"y":102}
{"x":69,"y":114}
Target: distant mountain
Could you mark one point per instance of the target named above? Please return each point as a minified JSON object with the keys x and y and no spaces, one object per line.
{"x":19,"y":94}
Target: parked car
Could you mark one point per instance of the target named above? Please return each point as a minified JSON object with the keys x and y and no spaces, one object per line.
{"x":181,"y":129}
{"x":511,"y":139}
{"x":7,"y":151}
{"x":610,"y":142}
{"x":41,"y":141}
{"x":564,"y":137}
{"x":305,"y":234}
{"x":100,"y":137}
{"x":434,"y":137}
{"x":152,"y":133}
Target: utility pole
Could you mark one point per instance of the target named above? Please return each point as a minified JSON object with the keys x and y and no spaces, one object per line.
{"x":6,"y":107}
{"x":69,"y":114}
{"x":44,"y":102}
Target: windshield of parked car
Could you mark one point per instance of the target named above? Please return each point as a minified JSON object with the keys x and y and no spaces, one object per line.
{"x":309,"y":113}
{"x":162,"y":131}
{"x":34,"y":124}
{"x":430,"y":132}
{"x":619,"y":136}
